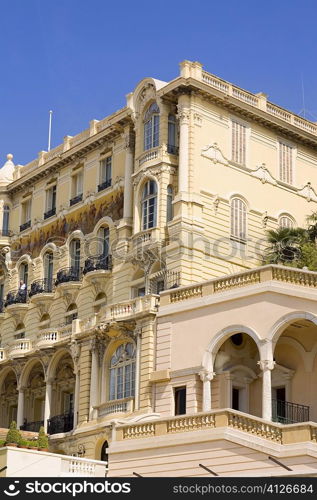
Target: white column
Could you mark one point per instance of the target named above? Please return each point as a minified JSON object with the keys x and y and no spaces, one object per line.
{"x":183,"y":160}
{"x":48,"y":400}
{"x":128,"y":171}
{"x":266,"y":367}
{"x":20,"y":415}
{"x":137,"y":369}
{"x":94,"y":386}
{"x":76,"y":402}
{"x":206,"y":378}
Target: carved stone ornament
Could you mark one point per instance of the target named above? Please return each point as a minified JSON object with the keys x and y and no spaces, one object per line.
{"x":308,"y":192}
{"x":206,"y":376}
{"x":214,"y":153}
{"x":266,"y":364}
{"x":155,"y":172}
{"x":74,"y":350}
{"x":264,"y":175}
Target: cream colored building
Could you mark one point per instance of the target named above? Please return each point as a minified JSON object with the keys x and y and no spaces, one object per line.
{"x":133,"y":290}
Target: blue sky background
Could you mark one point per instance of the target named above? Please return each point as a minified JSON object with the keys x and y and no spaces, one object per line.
{"x":79,"y":57}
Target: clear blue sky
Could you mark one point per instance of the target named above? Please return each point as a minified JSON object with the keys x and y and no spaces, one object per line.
{"x":80,"y":57}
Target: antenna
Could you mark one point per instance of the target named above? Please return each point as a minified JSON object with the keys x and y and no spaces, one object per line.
{"x":303,"y":110}
{"x":49,"y":131}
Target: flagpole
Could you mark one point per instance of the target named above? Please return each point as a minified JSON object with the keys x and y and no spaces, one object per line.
{"x":49,"y":131}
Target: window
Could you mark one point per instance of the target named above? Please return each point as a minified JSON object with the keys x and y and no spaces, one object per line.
{"x":172,"y":134}
{"x":286,"y":222}
{"x":48,"y":271}
{"x":105,"y":173}
{"x":50,"y":202}
{"x":71,"y":314}
{"x":149,"y":203}
{"x":100,"y":302}
{"x":285,"y":163}
{"x":5,"y":220}
{"x":238,"y":153}
{"x":238,"y":220}
{"x":26,"y":215}
{"x":235,"y":399}
{"x":169,"y":204}
{"x":122,"y":372}
{"x":104,"y":242}
{"x":180,"y":400}
{"x":24,"y":273}
{"x":19,"y":331}
{"x":44,"y":321}
{"x":75,"y":254}
{"x":77,"y":187}
{"x":151,"y":127}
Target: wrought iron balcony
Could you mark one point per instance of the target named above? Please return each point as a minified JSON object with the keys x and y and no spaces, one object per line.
{"x":41,"y":286}
{"x":68,"y":274}
{"x":76,"y":199}
{"x":26,"y":225}
{"x":60,"y":423}
{"x":104,"y":185}
{"x":16,"y":297}
{"x":50,"y":213}
{"x":285,"y":412}
{"x":172,"y":150}
{"x":32,"y":426}
{"x":98,"y":263}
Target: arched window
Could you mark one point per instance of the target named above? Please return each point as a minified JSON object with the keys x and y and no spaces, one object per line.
{"x":20,"y":331}
{"x":48,"y":271}
{"x":74,"y":250}
{"x":104,"y":239}
{"x":44,"y":321}
{"x":100,"y":302}
{"x":169,"y":203}
{"x":122,"y":372}
{"x":71,"y":314}
{"x":172,"y":135}
{"x":149,"y":205}
{"x":5,"y":220}
{"x":151,"y":127}
{"x":104,"y":452}
{"x":23,"y":274}
{"x":286,"y":222}
{"x":238,"y":220}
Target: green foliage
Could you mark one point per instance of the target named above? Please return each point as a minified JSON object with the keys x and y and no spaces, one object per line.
{"x":13,"y":435}
{"x":32,"y":444}
{"x":2,"y":442}
{"x":42,"y":439}
{"x":23,"y":442}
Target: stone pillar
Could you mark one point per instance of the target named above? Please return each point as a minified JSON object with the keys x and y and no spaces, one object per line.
{"x":266,"y":367}
{"x":48,"y":400}
{"x":183,"y":165}
{"x":138,"y":367}
{"x":206,"y":378}
{"x":76,"y":401}
{"x":97,"y":352}
{"x":128,"y":186}
{"x":20,"y":415}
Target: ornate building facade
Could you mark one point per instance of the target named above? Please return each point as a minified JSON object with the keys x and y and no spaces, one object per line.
{"x":133,"y":301}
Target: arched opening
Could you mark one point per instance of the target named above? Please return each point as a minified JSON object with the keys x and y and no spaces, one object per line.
{"x":71,"y":314}
{"x":63,"y":396}
{"x":19,"y":331}
{"x":34,"y":398}
{"x":48,"y":264}
{"x":122,"y":372}
{"x":100,"y":302}
{"x":104,"y":452}
{"x":45,"y":321}
{"x":9,"y":399}
{"x":151,"y":127}
{"x":149,"y":205}
{"x":294,"y":377}
{"x":75,"y":256}
{"x":237,"y":383}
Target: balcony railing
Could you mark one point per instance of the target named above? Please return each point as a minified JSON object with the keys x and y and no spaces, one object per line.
{"x":32,"y":426}
{"x":60,"y":423}
{"x":286,"y":412}
{"x":20,"y":346}
{"x":116,"y":406}
{"x":97,"y":263}
{"x":2,"y":354}
{"x":50,"y":213}
{"x":41,"y":286}
{"x":16,"y":297}
{"x":104,"y":185}
{"x":68,"y":274}
{"x":172,"y":150}
{"x":26,"y":225}
{"x":76,"y":199}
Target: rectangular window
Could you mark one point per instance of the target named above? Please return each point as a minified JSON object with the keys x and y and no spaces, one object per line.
{"x":106,"y":169}
{"x":238,"y":152}
{"x":285,"y":163}
{"x":235,"y":398}
{"x":26,"y":211}
{"x":180,"y":400}
{"x":51,"y":198}
{"x":77,"y":187}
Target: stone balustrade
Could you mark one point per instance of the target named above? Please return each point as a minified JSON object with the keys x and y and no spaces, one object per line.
{"x":257,"y":102}
{"x":119,"y":406}
{"x":256,"y":276}
{"x":20,"y":347}
{"x":131,"y":308}
{"x":227,"y":418}
{"x":48,"y":337}
{"x":3,"y":354}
